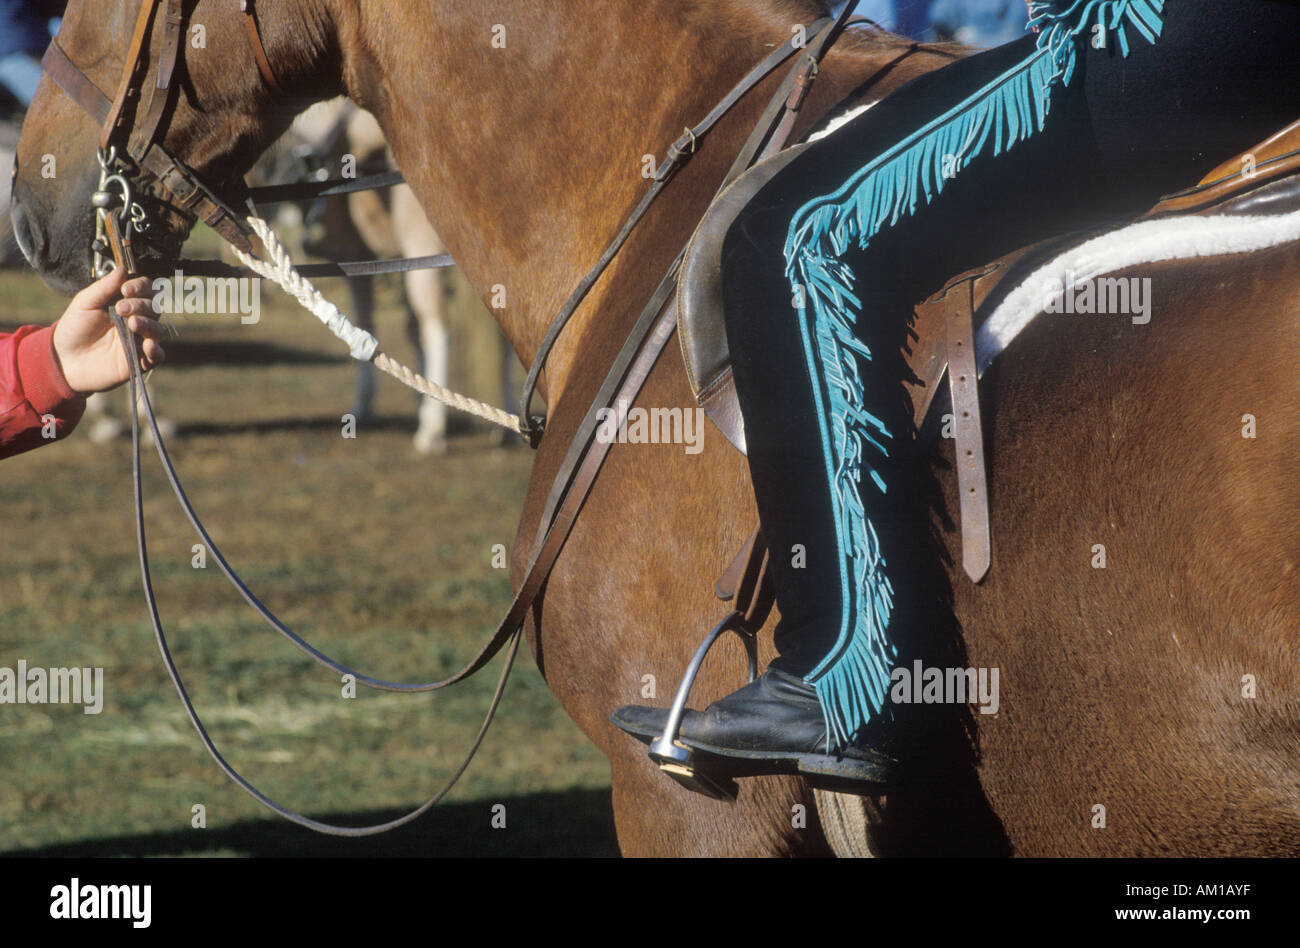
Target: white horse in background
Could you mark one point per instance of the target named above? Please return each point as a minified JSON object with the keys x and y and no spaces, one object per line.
{"x":345,"y":139}
{"x":402,"y":230}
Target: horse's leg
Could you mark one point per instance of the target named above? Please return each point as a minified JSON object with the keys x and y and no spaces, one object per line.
{"x":362,"y":290}
{"x":101,"y":427}
{"x":426,"y":293}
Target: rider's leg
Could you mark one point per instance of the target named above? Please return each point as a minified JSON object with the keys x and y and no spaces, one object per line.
{"x":1122,"y":132}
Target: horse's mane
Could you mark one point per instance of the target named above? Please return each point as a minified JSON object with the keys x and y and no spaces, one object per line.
{"x":781,"y":13}
{"x":742,"y":11}
{"x":792,"y":10}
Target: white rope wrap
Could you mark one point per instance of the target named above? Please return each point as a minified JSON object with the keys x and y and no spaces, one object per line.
{"x":280,"y":271}
{"x":362,"y":345}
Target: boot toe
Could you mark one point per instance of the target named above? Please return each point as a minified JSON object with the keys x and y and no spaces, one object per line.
{"x":649,"y":723}
{"x":640,"y":720}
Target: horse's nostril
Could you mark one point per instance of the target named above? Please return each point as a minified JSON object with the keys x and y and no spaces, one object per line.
{"x":23,"y":231}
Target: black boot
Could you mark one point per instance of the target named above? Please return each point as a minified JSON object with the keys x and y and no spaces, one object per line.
{"x":774,"y":725}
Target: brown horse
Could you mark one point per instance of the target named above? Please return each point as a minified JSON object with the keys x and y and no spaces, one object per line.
{"x":522,"y":125}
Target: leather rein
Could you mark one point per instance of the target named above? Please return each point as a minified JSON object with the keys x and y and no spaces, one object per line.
{"x":130,"y":143}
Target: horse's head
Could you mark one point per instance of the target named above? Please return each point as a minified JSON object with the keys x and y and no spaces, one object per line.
{"x":216,"y":114}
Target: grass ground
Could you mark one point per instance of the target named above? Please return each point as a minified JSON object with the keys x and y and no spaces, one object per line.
{"x":379,"y":556}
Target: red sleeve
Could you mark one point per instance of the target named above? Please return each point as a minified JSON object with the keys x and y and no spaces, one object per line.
{"x":35,"y":399}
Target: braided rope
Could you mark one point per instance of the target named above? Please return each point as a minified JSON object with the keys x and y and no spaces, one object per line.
{"x":362,"y":345}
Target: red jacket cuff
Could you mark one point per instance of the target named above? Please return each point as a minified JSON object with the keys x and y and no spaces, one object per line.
{"x":42,"y":379}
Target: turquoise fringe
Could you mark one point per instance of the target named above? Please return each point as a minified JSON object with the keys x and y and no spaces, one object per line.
{"x":853,"y":679}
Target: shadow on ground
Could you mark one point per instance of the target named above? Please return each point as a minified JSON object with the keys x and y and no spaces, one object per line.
{"x":559,"y":823}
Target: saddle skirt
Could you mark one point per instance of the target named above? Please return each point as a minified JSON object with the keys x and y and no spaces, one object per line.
{"x":1262,"y":182}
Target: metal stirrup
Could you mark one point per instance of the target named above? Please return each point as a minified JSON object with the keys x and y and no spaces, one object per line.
{"x":675,"y":758}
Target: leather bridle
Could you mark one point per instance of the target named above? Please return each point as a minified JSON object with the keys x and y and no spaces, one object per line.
{"x":130,"y":144}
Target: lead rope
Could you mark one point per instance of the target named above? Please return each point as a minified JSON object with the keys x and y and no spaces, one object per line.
{"x":363,"y":346}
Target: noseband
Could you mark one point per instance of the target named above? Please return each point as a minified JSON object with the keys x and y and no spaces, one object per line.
{"x":130,"y":143}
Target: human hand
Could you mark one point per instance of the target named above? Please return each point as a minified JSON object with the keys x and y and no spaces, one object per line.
{"x":86,"y":342}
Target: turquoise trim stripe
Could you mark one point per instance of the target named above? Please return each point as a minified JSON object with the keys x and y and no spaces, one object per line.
{"x":852,"y":680}
{"x":1058,"y":22}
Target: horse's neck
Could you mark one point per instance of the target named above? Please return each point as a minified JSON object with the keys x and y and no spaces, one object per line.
{"x":524,"y":129}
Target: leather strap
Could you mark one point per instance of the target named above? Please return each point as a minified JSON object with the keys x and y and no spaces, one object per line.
{"x":963,"y":382}
{"x":556,"y":528}
{"x":306,"y":190}
{"x":259,"y":51}
{"x":773,"y":130}
{"x":729,"y":581}
{"x":756,"y":594}
{"x":75,"y":83}
{"x":115,"y":128}
{"x":119,"y":245}
{"x":608,"y":396}
{"x":145,"y":133}
{"x":347,"y":268}
{"x":194,"y":197}
{"x":803,"y":80}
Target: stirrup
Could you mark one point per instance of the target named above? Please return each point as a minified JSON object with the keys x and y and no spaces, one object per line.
{"x":675,"y":758}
